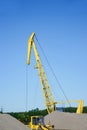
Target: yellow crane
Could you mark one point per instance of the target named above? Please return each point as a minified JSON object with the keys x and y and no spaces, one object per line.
{"x":48,"y":97}
{"x":37,"y":122}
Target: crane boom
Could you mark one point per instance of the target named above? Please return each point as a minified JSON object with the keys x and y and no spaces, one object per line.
{"x":79,"y":109}
{"x":48,"y":97}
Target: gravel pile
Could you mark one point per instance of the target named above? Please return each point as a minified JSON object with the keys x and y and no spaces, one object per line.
{"x":7,"y":122}
{"x":67,"y":121}
{"x":60,"y":120}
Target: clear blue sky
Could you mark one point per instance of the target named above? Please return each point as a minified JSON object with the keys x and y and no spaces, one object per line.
{"x":61,"y":27}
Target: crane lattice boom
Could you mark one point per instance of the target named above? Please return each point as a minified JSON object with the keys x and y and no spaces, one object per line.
{"x":48,"y":97}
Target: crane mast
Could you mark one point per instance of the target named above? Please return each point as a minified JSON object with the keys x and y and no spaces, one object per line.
{"x":48,"y":97}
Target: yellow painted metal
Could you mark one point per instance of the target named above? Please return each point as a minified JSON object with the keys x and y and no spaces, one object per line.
{"x":79,"y":109}
{"x":34,"y":123}
{"x":30,"y":43}
{"x":37,"y":123}
{"x":48,"y":97}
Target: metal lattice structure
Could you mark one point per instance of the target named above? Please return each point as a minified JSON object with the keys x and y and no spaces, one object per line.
{"x":48,"y":97}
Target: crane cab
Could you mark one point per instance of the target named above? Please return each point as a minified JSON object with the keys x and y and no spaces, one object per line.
{"x":35,"y":122}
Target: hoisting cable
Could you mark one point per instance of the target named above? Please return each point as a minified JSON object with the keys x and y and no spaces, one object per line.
{"x":26,"y":94}
{"x":26,"y":88}
{"x":53,"y":71}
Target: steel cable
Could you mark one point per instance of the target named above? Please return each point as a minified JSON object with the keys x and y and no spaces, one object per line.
{"x":53,"y":71}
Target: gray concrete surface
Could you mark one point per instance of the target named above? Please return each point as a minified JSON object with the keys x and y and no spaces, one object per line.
{"x":8,"y":122}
